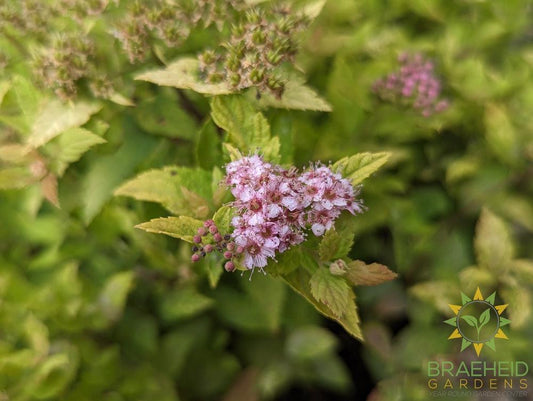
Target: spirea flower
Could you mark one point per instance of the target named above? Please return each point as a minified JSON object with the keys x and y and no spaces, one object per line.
{"x":275,"y":207}
{"x":414,"y":85}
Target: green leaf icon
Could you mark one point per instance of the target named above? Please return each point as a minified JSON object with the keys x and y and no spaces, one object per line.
{"x":471,"y":320}
{"x":484,"y":318}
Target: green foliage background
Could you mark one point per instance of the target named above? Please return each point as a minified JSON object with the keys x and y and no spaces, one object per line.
{"x":93,"y":308}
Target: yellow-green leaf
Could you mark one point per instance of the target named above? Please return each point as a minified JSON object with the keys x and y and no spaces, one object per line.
{"x":181,"y":227}
{"x":184,"y":74}
{"x":358,"y":167}
{"x":493,"y":245}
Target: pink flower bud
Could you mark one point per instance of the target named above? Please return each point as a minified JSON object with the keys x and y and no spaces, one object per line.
{"x":195,"y":258}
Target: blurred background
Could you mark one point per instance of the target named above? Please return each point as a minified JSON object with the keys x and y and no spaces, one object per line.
{"x":93,"y":309}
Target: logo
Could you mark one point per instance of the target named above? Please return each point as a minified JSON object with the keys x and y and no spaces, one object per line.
{"x":478,"y":322}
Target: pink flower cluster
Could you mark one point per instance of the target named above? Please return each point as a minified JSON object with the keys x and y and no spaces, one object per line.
{"x":414,"y":85}
{"x":275,"y":206}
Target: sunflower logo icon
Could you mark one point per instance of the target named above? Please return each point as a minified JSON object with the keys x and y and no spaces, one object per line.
{"x":478,"y":321}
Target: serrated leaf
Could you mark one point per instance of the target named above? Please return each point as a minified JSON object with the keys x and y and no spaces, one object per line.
{"x":360,"y":166}
{"x":16,"y":177}
{"x":184,"y":74}
{"x":296,"y":96}
{"x":72,"y":144}
{"x":181,"y":190}
{"x":113,"y":297}
{"x":56,"y":117}
{"x":473,"y":276}
{"x":359,"y":273}
{"x":299,"y":281}
{"x":182,"y":304}
{"x":248,"y":130}
{"x":332,"y":291}
{"x":334,"y":245}
{"x":232,"y":152}
{"x":494,"y":249}
{"x":231,"y":114}
{"x":181,"y":227}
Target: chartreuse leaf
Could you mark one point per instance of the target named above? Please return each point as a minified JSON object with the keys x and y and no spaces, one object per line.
{"x":500,"y":133}
{"x":114,"y":294}
{"x":181,"y":227}
{"x":359,"y":273}
{"x":107,"y":172}
{"x":181,"y":190}
{"x":492,"y":243}
{"x":230,"y":113}
{"x":520,"y":304}
{"x":360,"y":166}
{"x":72,"y":144}
{"x":183,"y":303}
{"x":52,"y":375}
{"x":296,"y":96}
{"x":184,"y":74}
{"x":56,"y":117}
{"x":222,"y":218}
{"x":16,"y":177}
{"x":248,"y":130}
{"x":299,"y":280}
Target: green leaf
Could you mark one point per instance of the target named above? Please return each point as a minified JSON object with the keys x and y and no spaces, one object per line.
{"x":184,"y":74}
{"x":231,"y":113}
{"x":107,"y":172}
{"x":471,"y":320}
{"x":332,"y":291}
{"x":16,"y":177}
{"x":248,"y":130}
{"x":181,"y":227}
{"x":56,"y":117}
{"x":500,"y":133}
{"x":181,"y":190}
{"x":208,"y":148}
{"x":310,"y":342}
{"x":72,"y":144}
{"x":28,"y":97}
{"x":359,"y":273}
{"x":296,"y":96}
{"x":492,"y":243}
{"x":250,"y":309}
{"x":113,"y":297}
{"x":484,"y":318}
{"x":222,"y":218}
{"x":183,"y":303}
{"x":334,"y":245}
{"x":520,"y":304}
{"x":299,"y":281}
{"x":360,"y":166}
{"x":52,"y":376}
{"x":523,"y":269}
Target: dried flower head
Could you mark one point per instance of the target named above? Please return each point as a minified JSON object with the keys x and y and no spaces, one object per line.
{"x":257,"y":45}
{"x":414,"y":85}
